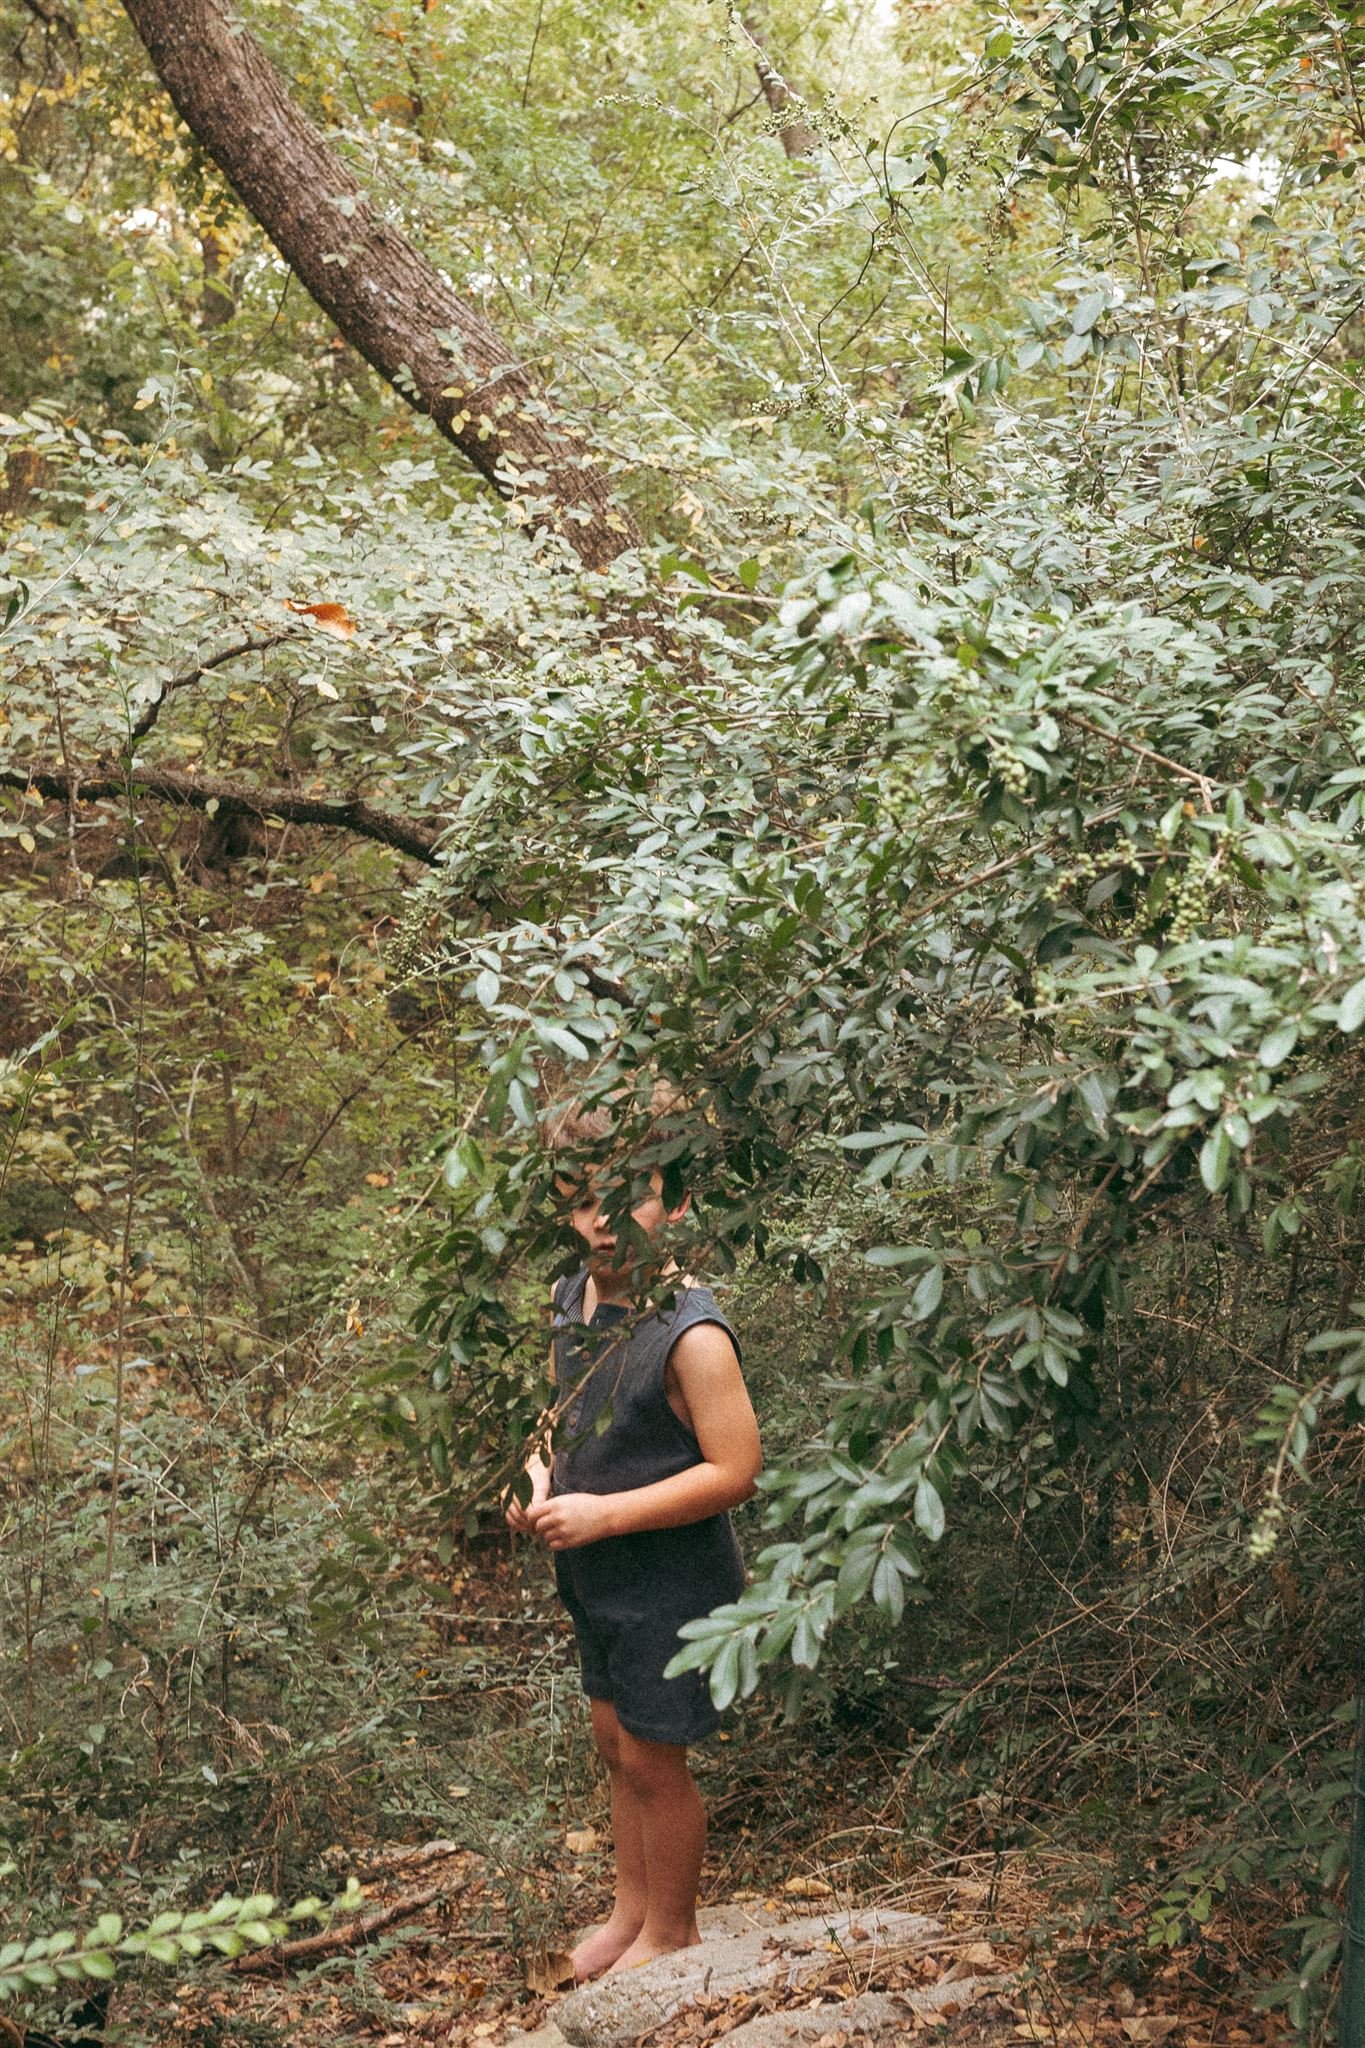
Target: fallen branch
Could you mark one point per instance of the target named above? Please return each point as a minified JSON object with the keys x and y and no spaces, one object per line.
{"x":334,"y":1940}
{"x":425,"y":1852}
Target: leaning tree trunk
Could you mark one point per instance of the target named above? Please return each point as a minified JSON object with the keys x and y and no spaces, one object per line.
{"x":797,"y":136}
{"x":437,"y":351}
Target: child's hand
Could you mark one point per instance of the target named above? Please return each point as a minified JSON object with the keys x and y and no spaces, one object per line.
{"x":570,"y":1520}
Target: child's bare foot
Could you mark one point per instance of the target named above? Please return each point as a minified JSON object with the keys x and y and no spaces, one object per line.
{"x":647,"y":1945}
{"x":600,"y":1948}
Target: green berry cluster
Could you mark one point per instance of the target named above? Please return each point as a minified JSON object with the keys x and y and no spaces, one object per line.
{"x":1007,"y":768}
{"x":409,"y":950}
{"x":1266,"y":1533}
{"x":1191,"y":901}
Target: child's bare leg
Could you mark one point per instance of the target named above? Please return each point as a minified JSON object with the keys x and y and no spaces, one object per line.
{"x":673,"y":1832}
{"x":598,"y":1950}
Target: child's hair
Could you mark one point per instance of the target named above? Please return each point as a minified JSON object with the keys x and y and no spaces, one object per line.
{"x":570,"y":1125}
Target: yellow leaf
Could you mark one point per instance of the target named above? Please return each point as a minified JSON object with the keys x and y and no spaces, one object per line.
{"x":808,"y":1888}
{"x":28,"y":842}
{"x":580,"y":1841}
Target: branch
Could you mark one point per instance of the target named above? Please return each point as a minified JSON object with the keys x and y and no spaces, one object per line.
{"x":192,"y":675}
{"x":52,"y":16}
{"x":228,"y":799}
{"x":99,"y":782}
{"x":333,"y":1938}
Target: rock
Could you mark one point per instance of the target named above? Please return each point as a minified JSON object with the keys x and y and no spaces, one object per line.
{"x":878,"y":2019}
{"x":712,"y":1921}
{"x":617,"y":2008}
{"x":547,"y":2036}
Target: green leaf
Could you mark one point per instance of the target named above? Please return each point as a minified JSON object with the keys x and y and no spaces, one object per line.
{"x":559,"y":1039}
{"x":1215,"y":1158}
{"x":929,"y":1514}
{"x":927,"y":1295}
{"x":888,"y":1588}
{"x":724,"y":1681}
{"x":1351,"y":1015}
{"x":1277,"y":1045}
{"x":1086,"y":313}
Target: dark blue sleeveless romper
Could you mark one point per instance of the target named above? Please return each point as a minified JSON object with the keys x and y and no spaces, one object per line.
{"x":629,"y":1595}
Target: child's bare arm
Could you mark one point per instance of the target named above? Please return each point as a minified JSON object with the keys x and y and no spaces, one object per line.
{"x":712,"y":1385}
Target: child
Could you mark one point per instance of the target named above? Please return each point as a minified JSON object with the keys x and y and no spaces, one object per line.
{"x":655,"y":1441}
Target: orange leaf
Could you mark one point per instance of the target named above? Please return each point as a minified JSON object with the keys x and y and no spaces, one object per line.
{"x":330,"y":618}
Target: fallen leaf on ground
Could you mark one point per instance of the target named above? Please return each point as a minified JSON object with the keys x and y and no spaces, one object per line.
{"x":980,"y":1954}
{"x":1150,"y":2026}
{"x":580,"y":1841}
{"x":808,"y":1888}
{"x":549,"y":1970}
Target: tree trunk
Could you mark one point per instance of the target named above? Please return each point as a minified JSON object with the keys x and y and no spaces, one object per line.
{"x":797,"y":136}
{"x":438,"y":352}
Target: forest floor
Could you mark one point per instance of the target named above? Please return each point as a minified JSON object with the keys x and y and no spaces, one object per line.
{"x":466,"y":1951}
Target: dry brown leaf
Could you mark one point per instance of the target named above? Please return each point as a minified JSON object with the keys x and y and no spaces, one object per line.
{"x":1150,"y":2027}
{"x":808,"y":1888}
{"x":329,"y":618}
{"x":581,"y":1841}
{"x":979,"y":1954}
{"x":549,"y":1969}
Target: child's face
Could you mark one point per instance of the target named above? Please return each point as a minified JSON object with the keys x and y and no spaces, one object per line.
{"x":590,"y":1220}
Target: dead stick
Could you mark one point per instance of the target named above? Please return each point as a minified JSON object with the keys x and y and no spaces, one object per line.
{"x":334,"y":1938}
{"x":425,"y":1852}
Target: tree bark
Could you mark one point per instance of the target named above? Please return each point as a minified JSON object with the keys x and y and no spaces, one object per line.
{"x":797,"y":136}
{"x":438,"y":352}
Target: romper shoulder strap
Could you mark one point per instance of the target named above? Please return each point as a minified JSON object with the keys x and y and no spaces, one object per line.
{"x":699,"y":1305}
